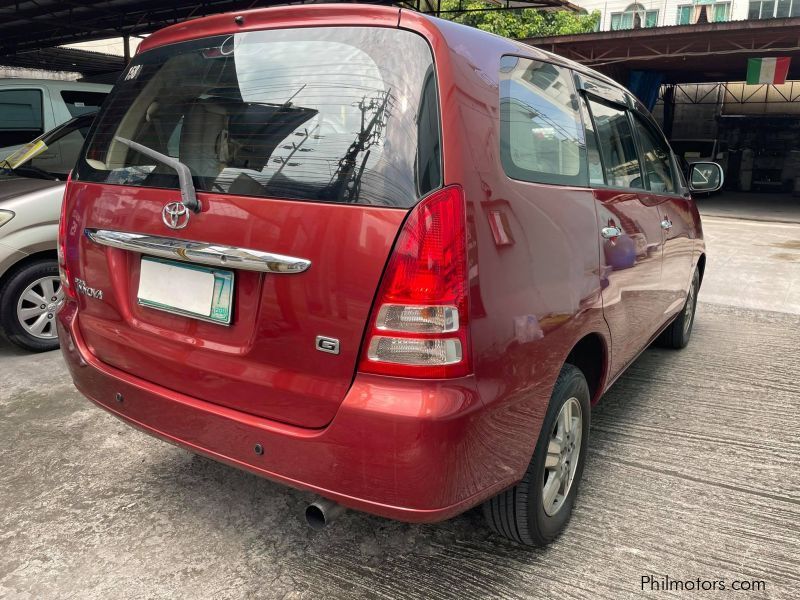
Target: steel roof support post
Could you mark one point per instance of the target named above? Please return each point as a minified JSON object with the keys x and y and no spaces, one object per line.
{"x":669,"y":110}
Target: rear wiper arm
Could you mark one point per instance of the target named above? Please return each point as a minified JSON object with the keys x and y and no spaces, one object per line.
{"x":188,"y":195}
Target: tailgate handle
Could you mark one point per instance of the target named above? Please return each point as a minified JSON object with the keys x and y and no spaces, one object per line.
{"x":216,"y":255}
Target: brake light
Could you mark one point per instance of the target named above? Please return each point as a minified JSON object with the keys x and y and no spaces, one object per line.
{"x":419,"y":323}
{"x":63,"y":270}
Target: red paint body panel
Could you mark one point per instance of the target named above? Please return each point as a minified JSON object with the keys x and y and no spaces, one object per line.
{"x":266,"y":362}
{"x":408,"y":449}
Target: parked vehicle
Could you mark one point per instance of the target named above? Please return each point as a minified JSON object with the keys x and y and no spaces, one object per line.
{"x":317,"y":243}
{"x":31,"y":190}
{"x":30,"y":107}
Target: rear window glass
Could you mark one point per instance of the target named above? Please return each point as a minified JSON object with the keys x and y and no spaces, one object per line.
{"x":334,"y":114}
{"x":541,"y":133}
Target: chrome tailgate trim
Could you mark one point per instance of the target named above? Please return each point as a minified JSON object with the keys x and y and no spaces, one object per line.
{"x":216,"y":255}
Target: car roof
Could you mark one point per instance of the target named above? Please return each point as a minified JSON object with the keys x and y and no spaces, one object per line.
{"x":356,"y":15}
{"x":54,"y":83}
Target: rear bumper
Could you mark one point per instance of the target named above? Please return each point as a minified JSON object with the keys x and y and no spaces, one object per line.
{"x":399,"y":449}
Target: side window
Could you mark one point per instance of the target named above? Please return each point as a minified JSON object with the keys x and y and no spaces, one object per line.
{"x":541,"y":134}
{"x":79,"y":102}
{"x":617,"y":146}
{"x":596,"y":176}
{"x":20,"y":116}
{"x":656,"y":158}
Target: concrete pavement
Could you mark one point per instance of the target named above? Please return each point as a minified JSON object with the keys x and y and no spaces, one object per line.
{"x":752,"y":264}
{"x":692,"y":472}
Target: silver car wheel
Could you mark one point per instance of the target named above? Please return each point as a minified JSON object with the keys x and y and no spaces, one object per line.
{"x":688,"y":310}
{"x":563,"y":452}
{"x":36,"y":307}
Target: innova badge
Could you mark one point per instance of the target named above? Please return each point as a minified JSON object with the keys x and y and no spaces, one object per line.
{"x":175,"y":215}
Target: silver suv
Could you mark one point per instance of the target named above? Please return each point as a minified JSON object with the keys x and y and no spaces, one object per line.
{"x":31,"y":191}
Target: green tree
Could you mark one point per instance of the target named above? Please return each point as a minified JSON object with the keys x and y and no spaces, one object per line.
{"x":518,"y":23}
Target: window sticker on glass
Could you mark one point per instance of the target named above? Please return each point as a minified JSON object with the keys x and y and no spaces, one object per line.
{"x":22,"y":155}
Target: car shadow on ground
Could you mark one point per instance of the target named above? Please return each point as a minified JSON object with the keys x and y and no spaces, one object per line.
{"x":359,"y":551}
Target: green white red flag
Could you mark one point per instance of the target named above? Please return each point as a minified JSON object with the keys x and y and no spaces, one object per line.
{"x":767,"y":70}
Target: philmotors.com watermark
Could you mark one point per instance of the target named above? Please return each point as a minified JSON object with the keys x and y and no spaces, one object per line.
{"x":665,"y":583}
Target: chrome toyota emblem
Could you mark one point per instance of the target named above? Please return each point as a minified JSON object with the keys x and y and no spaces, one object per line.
{"x":175,"y":215}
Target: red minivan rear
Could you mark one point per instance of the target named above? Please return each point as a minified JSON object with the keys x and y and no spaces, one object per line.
{"x":309,"y":144}
{"x":262,"y":259}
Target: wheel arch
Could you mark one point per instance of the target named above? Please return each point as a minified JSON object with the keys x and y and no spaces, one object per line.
{"x":590,"y":354}
{"x":701,"y":266}
{"x":27,"y":260}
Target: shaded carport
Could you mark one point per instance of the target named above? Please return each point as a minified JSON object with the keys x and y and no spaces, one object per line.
{"x":692,"y":70}
{"x":33,"y":31}
{"x":709,"y":52}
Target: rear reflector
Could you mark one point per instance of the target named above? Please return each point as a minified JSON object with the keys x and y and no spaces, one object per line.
{"x":419,"y":326}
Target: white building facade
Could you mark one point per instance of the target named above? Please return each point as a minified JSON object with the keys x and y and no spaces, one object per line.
{"x":626,"y":14}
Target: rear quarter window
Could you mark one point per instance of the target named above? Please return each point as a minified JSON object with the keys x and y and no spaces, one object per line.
{"x":80,"y":102}
{"x":331,"y":114}
{"x":541,"y":132}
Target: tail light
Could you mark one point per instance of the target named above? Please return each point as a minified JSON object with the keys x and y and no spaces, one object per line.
{"x":419,"y":323}
{"x":63,"y":270}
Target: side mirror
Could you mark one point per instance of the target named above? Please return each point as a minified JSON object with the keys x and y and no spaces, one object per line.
{"x":705,"y":177}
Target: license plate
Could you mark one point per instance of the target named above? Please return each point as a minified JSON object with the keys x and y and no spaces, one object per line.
{"x":203,"y":293}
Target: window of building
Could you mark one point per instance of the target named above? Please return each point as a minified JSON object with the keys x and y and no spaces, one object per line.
{"x":617,"y":146}
{"x":773,"y":9}
{"x":541,"y":133}
{"x":635,"y":16}
{"x":703,"y":11}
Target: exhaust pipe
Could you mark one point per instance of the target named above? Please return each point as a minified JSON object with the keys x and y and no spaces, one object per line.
{"x":322,"y":513}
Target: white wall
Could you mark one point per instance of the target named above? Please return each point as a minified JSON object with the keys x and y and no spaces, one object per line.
{"x":667,"y":9}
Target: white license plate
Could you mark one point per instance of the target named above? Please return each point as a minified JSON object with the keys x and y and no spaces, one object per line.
{"x":203,"y":293}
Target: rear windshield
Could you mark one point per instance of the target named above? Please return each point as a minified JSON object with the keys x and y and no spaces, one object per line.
{"x":329,"y":114}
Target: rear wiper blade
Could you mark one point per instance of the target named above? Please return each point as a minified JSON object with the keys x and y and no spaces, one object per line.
{"x":188,"y":195}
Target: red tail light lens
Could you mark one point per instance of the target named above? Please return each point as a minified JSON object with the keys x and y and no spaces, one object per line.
{"x":419,"y":325}
{"x":63,"y":270}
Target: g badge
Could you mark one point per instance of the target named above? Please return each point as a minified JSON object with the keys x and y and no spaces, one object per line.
{"x":326,"y":344}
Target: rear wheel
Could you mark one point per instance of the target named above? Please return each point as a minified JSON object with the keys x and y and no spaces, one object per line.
{"x":679,"y":332}
{"x":537,"y":509}
{"x":28,"y":302}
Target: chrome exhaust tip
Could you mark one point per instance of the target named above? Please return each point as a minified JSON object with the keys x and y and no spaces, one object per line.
{"x":322,"y":513}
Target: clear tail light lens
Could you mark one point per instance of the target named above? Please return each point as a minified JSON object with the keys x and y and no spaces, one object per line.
{"x":419,"y":326}
{"x":411,"y":351}
{"x":417,"y":319}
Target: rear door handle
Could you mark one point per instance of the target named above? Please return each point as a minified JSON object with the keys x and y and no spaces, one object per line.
{"x":611,"y":233}
{"x":666,"y":224}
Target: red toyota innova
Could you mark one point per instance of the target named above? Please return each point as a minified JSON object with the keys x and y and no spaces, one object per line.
{"x":375,"y":255}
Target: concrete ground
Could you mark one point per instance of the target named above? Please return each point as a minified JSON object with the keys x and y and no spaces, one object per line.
{"x":692,"y":473}
{"x":758,"y":206}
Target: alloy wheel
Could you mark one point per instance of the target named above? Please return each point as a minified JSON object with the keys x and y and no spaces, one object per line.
{"x":36,"y":307}
{"x":688,"y":310}
{"x":563,"y":452}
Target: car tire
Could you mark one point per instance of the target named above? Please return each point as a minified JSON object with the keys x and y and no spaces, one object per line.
{"x":679,"y":332}
{"x":520,"y":512}
{"x":31,"y":280}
